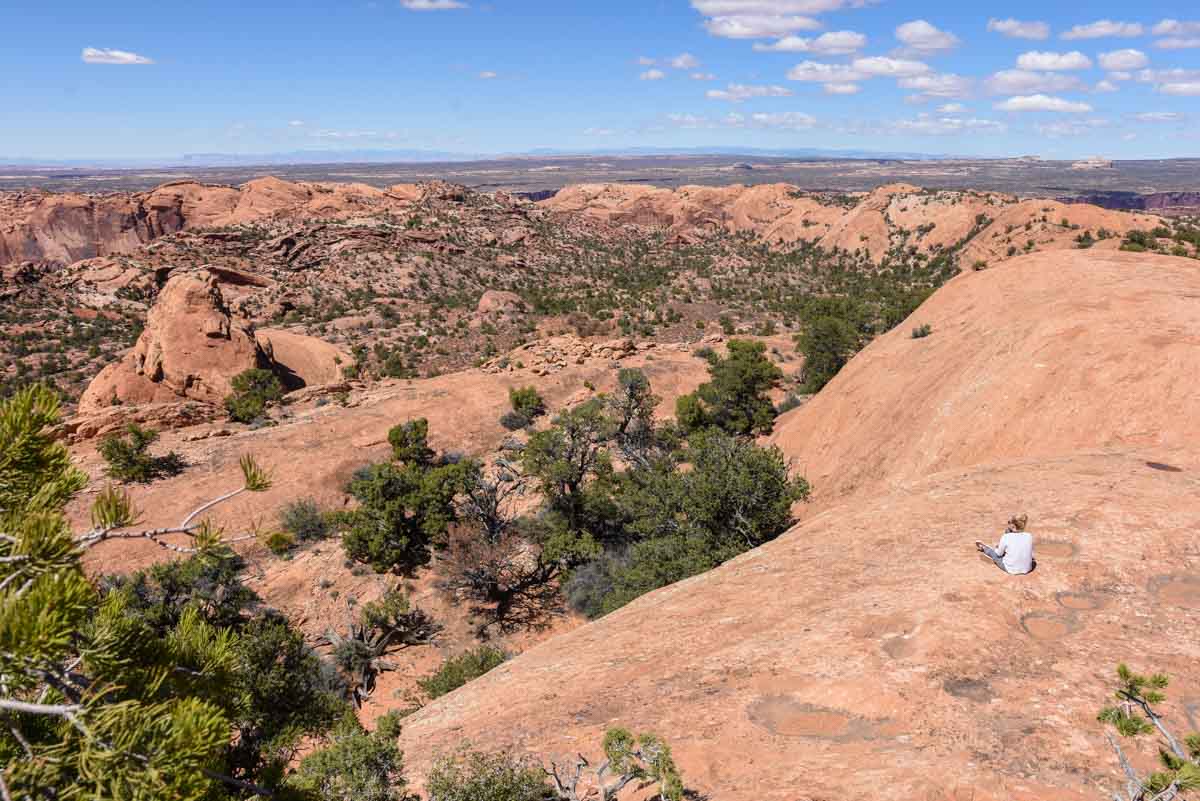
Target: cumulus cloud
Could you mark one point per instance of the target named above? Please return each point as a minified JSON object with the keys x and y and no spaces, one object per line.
{"x":1106,"y":86}
{"x":1069,"y":128}
{"x":919,"y":36}
{"x":1037,"y":60}
{"x":1018,"y":82}
{"x":885,"y":67}
{"x":702,"y":76}
{"x":652,"y":75}
{"x":952,"y":108}
{"x":1181,"y":88}
{"x":740,"y":92}
{"x":1178,"y":43}
{"x":789,"y":120}
{"x":646,"y":61}
{"x":929,"y":125}
{"x":759,"y":26}
{"x":1104,"y":28}
{"x":1041,"y":102}
{"x":432,"y":5}
{"x":1173,"y":27}
{"x":685,"y":61}
{"x":95,"y":55}
{"x":784,"y":120}
{"x":1159,"y":116}
{"x":820,"y":72}
{"x":833,"y":43}
{"x":842,"y":88}
{"x":1018,"y":29}
{"x":296,"y":123}
{"x":1123,"y":60}
{"x":938,"y":86}
{"x":488,"y":75}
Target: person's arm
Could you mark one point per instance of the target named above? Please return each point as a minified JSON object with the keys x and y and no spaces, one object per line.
{"x":1001,"y":547}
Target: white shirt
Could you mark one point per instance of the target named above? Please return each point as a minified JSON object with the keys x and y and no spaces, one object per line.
{"x":1017,"y":549}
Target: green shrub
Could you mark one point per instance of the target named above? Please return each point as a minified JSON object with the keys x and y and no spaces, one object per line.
{"x":253,"y":391}
{"x":527,"y":402}
{"x":790,"y":401}
{"x":735,"y":399}
{"x":355,"y":765}
{"x":475,"y":776}
{"x":279,"y":542}
{"x":827,"y":344}
{"x":922,"y":331}
{"x":128,"y":459}
{"x":410,"y":442}
{"x":458,"y":670}
{"x":514,"y":421}
{"x":304,"y":520}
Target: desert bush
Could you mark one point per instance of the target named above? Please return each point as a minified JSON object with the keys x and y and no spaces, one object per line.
{"x":827,"y":344}
{"x":734,"y":400}
{"x":128,"y":458}
{"x":458,"y":670}
{"x":476,"y":776}
{"x":789,"y":402}
{"x":410,"y":442}
{"x":922,"y":331}
{"x":354,"y":765}
{"x":590,"y":583}
{"x":515,"y":421}
{"x":253,"y":391}
{"x":279,"y":542}
{"x":527,"y":402}
{"x":304,"y":520}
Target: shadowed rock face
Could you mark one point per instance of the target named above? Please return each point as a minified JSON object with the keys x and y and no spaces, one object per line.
{"x":190,"y":348}
{"x":870,"y":652}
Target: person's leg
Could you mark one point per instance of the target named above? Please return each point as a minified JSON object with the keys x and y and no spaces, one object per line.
{"x":995,"y":557}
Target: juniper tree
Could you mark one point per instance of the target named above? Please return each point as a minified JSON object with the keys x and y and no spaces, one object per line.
{"x":88,"y":707}
{"x":1134,"y":715}
{"x":644,"y":759}
{"x":734,"y":399}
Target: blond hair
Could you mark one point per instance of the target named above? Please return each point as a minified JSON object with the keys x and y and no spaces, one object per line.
{"x":1017,"y":523}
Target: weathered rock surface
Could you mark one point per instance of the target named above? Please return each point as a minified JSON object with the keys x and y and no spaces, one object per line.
{"x":870,"y":652}
{"x":190,"y":348}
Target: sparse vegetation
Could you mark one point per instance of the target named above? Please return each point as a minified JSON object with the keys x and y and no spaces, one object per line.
{"x":304,"y":520}
{"x":458,"y":670}
{"x":253,"y":391}
{"x":922,"y":331}
{"x":128,"y":458}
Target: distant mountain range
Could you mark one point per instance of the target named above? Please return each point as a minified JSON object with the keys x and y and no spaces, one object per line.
{"x":429,"y":156}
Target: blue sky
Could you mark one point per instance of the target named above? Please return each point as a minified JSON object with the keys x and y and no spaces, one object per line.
{"x":156,"y":80}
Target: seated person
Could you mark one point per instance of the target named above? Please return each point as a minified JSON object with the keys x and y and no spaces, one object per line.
{"x":1014,"y":553}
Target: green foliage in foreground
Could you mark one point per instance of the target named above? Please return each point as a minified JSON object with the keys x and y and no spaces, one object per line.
{"x":355,"y":765}
{"x":1133,"y":715}
{"x":458,"y":670}
{"x":734,"y":399}
{"x":476,"y":776}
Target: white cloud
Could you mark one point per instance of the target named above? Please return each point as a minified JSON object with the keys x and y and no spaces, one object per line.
{"x":952,"y":108}
{"x":819,"y":72}
{"x":702,"y":76}
{"x":296,"y":123}
{"x":1107,"y":86}
{"x":646,"y":61}
{"x":1181,"y":89}
{"x":740,"y":92}
{"x":842,"y":88}
{"x":1178,"y":43}
{"x":883,"y":66}
{"x":355,"y":134}
{"x":488,"y":75}
{"x":940,"y":85}
{"x":1069,"y":128}
{"x":652,"y":75}
{"x":928,"y":125}
{"x":93,"y":55}
{"x":1017,"y":82}
{"x":1043,"y":103}
{"x":789,"y":120}
{"x":1173,"y":27}
{"x":598,"y":132}
{"x":1018,"y":29}
{"x":719,"y":8}
{"x":685,"y":61}
{"x":1165,"y":76}
{"x":921,"y":37}
{"x":1039,"y":60}
{"x":759,"y":26}
{"x":1159,"y":116}
{"x":432,"y":5}
{"x":1104,"y":28}
{"x":833,"y":43}
{"x":1123,"y":60}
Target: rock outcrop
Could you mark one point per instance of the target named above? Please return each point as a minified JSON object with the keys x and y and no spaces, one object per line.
{"x":870,"y":652}
{"x":191,"y":348}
